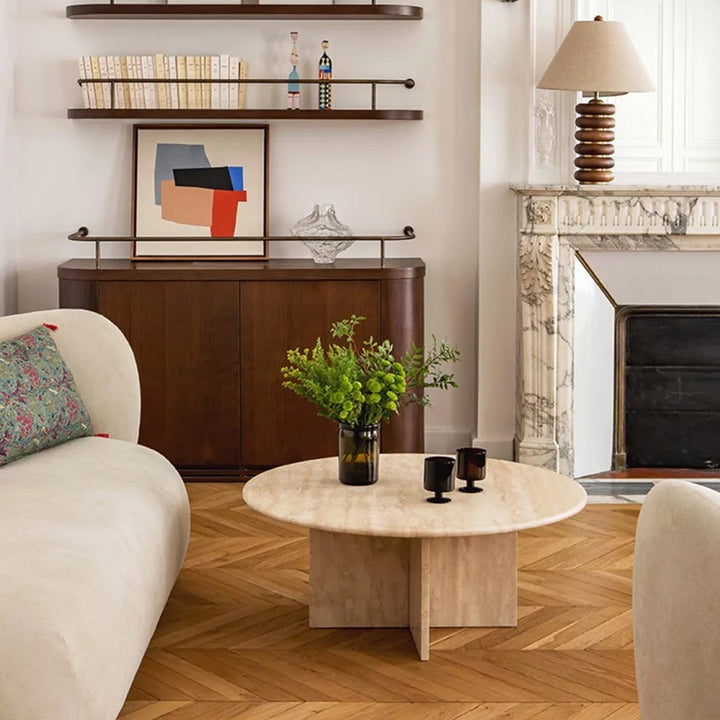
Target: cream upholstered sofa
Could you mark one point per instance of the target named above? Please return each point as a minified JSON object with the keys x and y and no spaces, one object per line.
{"x":676,"y":603}
{"x":92,"y":536}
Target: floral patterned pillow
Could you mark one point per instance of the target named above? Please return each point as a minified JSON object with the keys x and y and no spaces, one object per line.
{"x":39,"y":402}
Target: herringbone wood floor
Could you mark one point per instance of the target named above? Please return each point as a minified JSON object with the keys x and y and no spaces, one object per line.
{"x":234,"y":642}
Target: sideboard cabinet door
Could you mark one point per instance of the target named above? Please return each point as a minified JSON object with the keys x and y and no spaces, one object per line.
{"x":186,"y":343}
{"x":278,"y":426}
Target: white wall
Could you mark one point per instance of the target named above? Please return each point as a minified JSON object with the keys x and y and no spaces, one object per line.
{"x":8,"y":289}
{"x":380,"y":176}
{"x":594,"y":376}
{"x":505,"y":79}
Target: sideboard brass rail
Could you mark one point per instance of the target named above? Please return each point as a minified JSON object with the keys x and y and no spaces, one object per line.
{"x":83,"y":235}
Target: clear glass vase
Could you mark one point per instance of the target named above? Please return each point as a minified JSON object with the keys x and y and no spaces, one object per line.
{"x":321,"y":222}
{"x":358,"y":454}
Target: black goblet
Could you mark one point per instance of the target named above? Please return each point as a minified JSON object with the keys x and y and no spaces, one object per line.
{"x":438,"y":477}
{"x":471,"y":468}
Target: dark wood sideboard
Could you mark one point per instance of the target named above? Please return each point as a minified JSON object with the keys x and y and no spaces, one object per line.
{"x":210,"y":338}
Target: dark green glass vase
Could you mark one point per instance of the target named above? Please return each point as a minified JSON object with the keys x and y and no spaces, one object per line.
{"x":358,"y":454}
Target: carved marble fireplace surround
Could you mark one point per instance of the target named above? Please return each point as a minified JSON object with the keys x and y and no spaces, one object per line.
{"x":555,"y":223}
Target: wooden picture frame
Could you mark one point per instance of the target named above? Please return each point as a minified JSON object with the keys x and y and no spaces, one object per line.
{"x":195,"y":182}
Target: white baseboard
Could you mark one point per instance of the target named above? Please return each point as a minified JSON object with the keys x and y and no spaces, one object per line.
{"x":445,"y":441}
{"x":498,"y":448}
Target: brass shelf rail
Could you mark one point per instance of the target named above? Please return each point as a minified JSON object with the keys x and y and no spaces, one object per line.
{"x":339,"y":114}
{"x":83,"y":235}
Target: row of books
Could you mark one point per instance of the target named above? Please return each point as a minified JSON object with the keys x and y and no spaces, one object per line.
{"x":167,"y":95}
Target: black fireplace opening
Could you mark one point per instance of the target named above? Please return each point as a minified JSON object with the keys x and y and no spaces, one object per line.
{"x":668,"y":394}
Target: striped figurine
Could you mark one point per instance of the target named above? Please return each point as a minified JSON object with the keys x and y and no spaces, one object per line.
{"x":325,"y":73}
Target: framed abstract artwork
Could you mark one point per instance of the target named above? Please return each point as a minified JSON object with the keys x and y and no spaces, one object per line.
{"x":203,"y":183}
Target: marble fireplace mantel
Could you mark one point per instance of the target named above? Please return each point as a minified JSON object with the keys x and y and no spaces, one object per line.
{"x":555,"y":222}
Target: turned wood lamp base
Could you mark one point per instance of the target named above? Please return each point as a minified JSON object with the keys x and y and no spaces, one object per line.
{"x":595,"y":123}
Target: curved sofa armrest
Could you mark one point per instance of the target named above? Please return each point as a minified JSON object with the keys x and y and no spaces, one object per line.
{"x":101,"y":361}
{"x":676,"y":603}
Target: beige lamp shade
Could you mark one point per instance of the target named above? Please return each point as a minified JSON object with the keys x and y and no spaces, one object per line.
{"x":597,"y":56}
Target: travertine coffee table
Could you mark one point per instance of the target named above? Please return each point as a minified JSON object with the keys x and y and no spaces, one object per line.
{"x":380,"y":556}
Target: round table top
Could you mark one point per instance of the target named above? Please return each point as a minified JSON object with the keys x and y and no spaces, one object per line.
{"x":514,"y":497}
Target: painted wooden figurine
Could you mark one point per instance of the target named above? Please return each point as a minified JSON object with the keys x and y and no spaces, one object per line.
{"x":325,"y":73}
{"x":293,"y":101}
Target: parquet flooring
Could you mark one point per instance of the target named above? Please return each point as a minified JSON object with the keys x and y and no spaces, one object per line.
{"x":234,"y":642}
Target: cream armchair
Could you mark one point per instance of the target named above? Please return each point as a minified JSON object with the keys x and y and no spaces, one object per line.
{"x":676,"y":603}
{"x":92,"y":536}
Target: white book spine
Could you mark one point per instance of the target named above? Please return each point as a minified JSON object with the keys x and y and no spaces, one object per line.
{"x":104,"y":75}
{"x":208,"y":74}
{"x":118,"y":87}
{"x":139,"y":87}
{"x":125,"y":87}
{"x":85,"y":88}
{"x":205,"y":75}
{"x":97,"y":87}
{"x":234,"y":75}
{"x":113,"y":87}
{"x":172,"y":75}
{"x":242,"y":86}
{"x":134,"y":101}
{"x":149,"y":92}
{"x":161,"y":89}
{"x":191,"y":86}
{"x":90,"y":86}
{"x":181,"y":61}
{"x":154,"y":88}
{"x":197,"y":74}
{"x":215,"y":89}
{"x":224,"y":88}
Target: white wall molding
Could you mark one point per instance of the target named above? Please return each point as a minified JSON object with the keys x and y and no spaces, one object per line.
{"x":551,"y":133}
{"x":545,"y":130}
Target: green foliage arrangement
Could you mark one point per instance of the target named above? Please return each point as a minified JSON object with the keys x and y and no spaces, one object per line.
{"x":363,"y":385}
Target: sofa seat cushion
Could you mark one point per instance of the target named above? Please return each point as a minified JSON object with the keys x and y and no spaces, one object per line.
{"x":92,"y":536}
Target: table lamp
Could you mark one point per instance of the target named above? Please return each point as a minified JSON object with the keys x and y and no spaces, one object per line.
{"x":596,"y":57}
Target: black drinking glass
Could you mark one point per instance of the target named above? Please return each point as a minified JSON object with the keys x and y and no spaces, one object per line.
{"x":438,"y":477}
{"x":471,"y":468}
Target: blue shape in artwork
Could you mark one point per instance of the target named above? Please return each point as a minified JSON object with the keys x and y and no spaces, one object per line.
{"x":169,"y":156}
{"x":236,"y":177}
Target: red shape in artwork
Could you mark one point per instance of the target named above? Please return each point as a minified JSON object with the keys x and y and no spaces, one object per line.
{"x":224,"y":211}
{"x":50,"y":327}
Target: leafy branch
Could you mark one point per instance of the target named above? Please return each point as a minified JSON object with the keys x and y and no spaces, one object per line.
{"x":424,"y":370}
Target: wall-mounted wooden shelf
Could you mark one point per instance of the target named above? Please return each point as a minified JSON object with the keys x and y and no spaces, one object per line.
{"x":143,"y":11}
{"x":86,"y":114}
